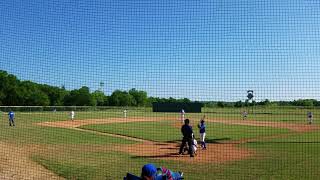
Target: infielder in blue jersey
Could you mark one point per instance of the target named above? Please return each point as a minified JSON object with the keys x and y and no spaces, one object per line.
{"x":11,"y":118}
{"x":202,"y":131}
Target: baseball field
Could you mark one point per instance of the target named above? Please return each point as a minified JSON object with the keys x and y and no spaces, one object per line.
{"x":272,"y":143}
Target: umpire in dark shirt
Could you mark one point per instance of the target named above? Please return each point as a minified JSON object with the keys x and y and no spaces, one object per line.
{"x":187,"y":132}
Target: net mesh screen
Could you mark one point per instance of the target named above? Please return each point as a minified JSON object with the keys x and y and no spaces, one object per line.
{"x":102,"y":89}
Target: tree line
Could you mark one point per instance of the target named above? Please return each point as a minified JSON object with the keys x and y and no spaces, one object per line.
{"x":14,"y":92}
{"x":266,"y":102}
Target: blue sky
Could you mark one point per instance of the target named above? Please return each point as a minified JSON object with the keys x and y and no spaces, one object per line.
{"x":202,"y":50}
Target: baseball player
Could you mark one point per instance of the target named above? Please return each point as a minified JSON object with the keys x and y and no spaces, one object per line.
{"x":202,"y":131}
{"x":194,"y":145}
{"x":11,"y":118}
{"x":72,"y":115}
{"x":182,"y":113}
{"x":310,"y":117}
{"x":125,"y":113}
{"x":244,"y":115}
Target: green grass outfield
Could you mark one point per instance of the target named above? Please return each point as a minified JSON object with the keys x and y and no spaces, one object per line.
{"x":80,"y":155}
{"x":164,"y":131}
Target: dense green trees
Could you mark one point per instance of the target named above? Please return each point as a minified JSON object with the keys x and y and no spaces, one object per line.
{"x":266,"y":102}
{"x":79,"y":97}
{"x":14,"y":92}
{"x":56,"y":95}
{"x":121,"y":98}
{"x":100,"y":99}
{"x":139,"y":97}
{"x":304,"y":102}
{"x":9,"y":87}
{"x":238,"y":104}
{"x":31,"y":94}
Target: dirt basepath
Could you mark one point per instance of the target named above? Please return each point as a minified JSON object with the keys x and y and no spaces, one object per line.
{"x":217,"y":152}
{"x":15,"y":164}
{"x":78,"y":123}
{"x":112,"y":135}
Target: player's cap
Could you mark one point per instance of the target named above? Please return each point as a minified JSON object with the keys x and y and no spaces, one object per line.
{"x":149,"y":170}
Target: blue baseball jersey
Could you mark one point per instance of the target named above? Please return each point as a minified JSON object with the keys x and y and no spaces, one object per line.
{"x":202,"y":128}
{"x":11,"y":115}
